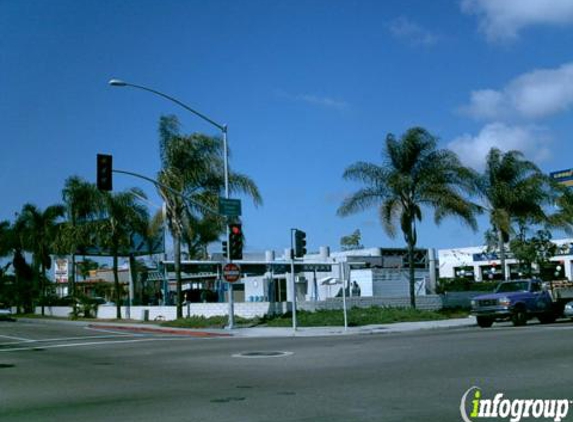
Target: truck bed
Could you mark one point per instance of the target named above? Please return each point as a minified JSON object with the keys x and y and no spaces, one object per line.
{"x":561,"y":290}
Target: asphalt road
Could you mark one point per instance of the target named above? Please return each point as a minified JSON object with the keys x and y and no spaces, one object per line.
{"x":53,"y":372}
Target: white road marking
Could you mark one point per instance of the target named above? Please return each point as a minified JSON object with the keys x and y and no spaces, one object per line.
{"x":103,"y":330}
{"x":84,"y":337}
{"x":57,"y":346}
{"x":92,"y":343}
{"x":45,"y":340}
{"x":25,"y":340}
{"x":555,"y":327}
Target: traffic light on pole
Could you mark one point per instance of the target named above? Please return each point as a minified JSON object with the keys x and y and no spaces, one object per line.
{"x":225,"y":248}
{"x":236,"y":241}
{"x":104,"y":169}
{"x":299,"y":243}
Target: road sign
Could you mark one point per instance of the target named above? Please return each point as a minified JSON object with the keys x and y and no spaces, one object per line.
{"x":231,"y":272}
{"x":230,"y":207}
{"x":61,"y":270}
{"x":319,"y":268}
{"x":564,"y":177}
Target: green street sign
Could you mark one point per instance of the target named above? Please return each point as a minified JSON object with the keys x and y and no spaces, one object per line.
{"x":230,"y":207}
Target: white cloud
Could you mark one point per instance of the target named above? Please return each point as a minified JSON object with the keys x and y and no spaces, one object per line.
{"x":501,"y":20}
{"x":532,"y":141}
{"x":536,"y":94}
{"x":406,"y":30}
{"x":322,"y":101}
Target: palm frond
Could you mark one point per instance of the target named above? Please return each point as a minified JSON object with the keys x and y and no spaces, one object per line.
{"x":389,"y":214}
{"x":359,"y":201}
{"x":241,"y":183}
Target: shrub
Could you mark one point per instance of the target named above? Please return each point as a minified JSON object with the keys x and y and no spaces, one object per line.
{"x":463,"y":285}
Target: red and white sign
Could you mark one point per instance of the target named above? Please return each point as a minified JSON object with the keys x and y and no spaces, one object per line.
{"x":231,"y":272}
{"x":61,"y":271}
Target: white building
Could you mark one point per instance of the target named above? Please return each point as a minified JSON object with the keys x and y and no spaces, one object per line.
{"x":374,"y":272}
{"x":475,"y":263}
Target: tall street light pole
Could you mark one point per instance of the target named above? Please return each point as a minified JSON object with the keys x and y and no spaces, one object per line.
{"x":223,"y":129}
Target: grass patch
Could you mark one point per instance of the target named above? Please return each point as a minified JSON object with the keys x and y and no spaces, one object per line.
{"x":324,"y":318}
{"x":455,"y":312}
{"x":362,"y":316}
{"x":218,"y":321}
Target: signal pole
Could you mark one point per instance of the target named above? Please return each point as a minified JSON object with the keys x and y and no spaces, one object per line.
{"x":292,"y":253}
{"x":297,"y":250}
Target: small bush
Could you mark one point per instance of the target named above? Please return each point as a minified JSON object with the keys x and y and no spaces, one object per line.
{"x":218,"y":321}
{"x":82,"y":307}
{"x":360,"y":316}
{"x":463,"y":285}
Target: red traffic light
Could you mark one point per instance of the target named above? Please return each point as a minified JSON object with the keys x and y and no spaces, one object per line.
{"x":235,"y":241}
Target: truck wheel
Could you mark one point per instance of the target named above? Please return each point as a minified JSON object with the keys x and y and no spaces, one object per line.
{"x":547,"y":318}
{"x":519,"y":317}
{"x":484,"y":322}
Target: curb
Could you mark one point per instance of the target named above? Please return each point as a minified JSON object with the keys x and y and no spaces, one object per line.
{"x":151,"y":330}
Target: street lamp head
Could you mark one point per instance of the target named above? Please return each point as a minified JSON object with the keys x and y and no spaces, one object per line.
{"x":117,"y":82}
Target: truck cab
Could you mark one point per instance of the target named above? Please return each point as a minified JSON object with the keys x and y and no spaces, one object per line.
{"x":517,"y":301}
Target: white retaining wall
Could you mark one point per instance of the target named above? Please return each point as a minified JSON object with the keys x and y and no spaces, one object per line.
{"x":248,"y":309}
{"x":168,"y":313}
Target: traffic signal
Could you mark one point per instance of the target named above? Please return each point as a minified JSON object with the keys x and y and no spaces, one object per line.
{"x":225,"y":248}
{"x":236,"y":241}
{"x":299,"y":243}
{"x":104,"y":169}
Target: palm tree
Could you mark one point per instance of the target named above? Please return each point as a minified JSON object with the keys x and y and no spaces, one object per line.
{"x":562,"y":199}
{"x":40,"y":231}
{"x":85,"y":266}
{"x":5,"y":250}
{"x":14,"y":236}
{"x":83,"y":203}
{"x":123,"y":216}
{"x":200,"y":233}
{"x":512,"y":189}
{"x":5,"y":246}
{"x":414,"y":175}
{"x":194,"y":167}
{"x":155,"y":230}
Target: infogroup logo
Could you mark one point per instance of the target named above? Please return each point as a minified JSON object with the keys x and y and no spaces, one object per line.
{"x":474,"y":407}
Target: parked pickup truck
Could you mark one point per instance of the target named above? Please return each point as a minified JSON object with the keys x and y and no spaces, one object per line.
{"x":521,"y":300}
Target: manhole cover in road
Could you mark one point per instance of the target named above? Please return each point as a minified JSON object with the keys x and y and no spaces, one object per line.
{"x":271,"y":354}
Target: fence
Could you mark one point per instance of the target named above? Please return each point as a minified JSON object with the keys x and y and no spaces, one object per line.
{"x":428,"y":303}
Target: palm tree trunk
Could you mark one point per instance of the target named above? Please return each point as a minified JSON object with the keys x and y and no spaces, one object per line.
{"x":412,"y":271}
{"x":501,"y":245}
{"x":18,"y":295}
{"x":177,"y":248}
{"x":117,"y":290}
{"x":43,"y":287}
{"x":37,"y":285}
{"x":134,"y":274}
{"x":72,"y":279}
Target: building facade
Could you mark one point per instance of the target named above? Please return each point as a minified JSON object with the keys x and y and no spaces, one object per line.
{"x":475,"y":263}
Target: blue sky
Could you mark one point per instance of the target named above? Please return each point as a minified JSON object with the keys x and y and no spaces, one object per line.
{"x":306,"y":87}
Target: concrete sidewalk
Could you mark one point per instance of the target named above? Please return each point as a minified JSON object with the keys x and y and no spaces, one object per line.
{"x":262,"y":332}
{"x":398,"y":327}
{"x":258,"y":332}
